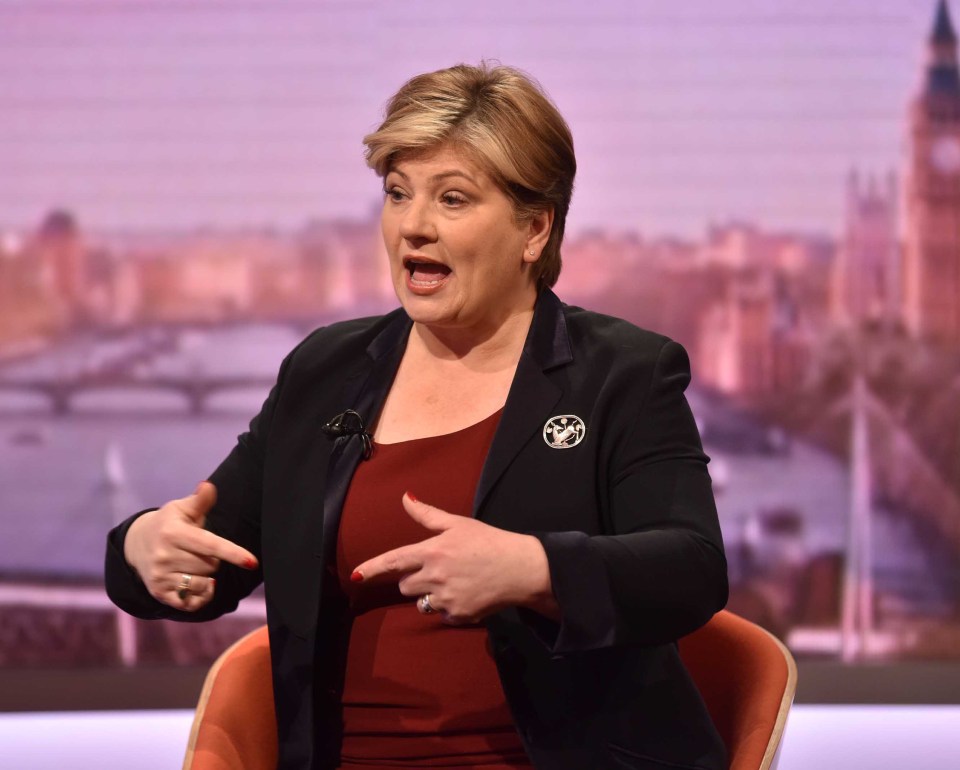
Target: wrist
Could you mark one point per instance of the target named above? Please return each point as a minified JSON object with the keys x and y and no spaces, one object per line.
{"x":538,"y":595}
{"x":132,"y":537}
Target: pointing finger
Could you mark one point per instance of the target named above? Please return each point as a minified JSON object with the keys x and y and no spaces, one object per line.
{"x":429,"y":516}
{"x":399,"y":561}
{"x":203,"y":543}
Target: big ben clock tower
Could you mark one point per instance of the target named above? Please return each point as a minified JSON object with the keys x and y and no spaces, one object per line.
{"x":932,"y":253}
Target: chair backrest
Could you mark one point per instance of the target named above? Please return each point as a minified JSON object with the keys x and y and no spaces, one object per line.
{"x":748,"y":679}
{"x":746,"y":676}
{"x":234,"y":726}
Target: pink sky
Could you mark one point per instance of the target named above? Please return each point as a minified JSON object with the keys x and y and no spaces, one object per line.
{"x":175,"y":113}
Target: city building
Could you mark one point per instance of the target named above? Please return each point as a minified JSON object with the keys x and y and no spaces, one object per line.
{"x":866,"y":273}
{"x":58,"y":247}
{"x":754,"y":343}
{"x":932,"y":237}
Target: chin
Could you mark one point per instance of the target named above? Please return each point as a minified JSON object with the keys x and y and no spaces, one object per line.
{"x":434,"y":305}
{"x":425,"y":310}
{"x":428,"y":318}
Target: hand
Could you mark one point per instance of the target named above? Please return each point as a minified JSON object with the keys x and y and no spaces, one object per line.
{"x":469,"y":569}
{"x":165,"y":545}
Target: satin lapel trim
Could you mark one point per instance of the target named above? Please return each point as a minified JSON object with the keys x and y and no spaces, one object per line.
{"x":533,"y":395}
{"x":531,"y":400}
{"x":365,"y":393}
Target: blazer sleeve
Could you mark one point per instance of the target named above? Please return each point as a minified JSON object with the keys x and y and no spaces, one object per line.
{"x":235,"y":516}
{"x":661,"y":572}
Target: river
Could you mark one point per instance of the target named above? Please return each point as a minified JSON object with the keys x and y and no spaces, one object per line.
{"x":65,"y":479}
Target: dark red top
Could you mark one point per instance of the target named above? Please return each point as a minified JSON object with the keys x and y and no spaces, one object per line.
{"x":417,"y":693}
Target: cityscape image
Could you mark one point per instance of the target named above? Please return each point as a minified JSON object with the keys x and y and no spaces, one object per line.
{"x":183,"y":197}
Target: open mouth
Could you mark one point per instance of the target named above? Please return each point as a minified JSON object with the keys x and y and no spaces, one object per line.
{"x":424,"y":272}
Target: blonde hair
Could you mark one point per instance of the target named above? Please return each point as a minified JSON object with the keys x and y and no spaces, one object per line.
{"x":503,"y":118}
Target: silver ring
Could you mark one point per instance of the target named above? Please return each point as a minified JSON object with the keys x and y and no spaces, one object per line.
{"x":423,"y":604}
{"x":183,"y":590}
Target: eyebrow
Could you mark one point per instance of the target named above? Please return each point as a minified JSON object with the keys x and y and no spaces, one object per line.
{"x":440,"y":176}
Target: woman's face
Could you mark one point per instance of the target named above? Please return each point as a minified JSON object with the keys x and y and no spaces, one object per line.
{"x":458,"y":258}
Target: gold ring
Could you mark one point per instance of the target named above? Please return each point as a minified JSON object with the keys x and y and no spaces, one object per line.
{"x":183,"y":590}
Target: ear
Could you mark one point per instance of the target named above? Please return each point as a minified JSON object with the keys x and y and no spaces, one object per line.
{"x":538,"y":233}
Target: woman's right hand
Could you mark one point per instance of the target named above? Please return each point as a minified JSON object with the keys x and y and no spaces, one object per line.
{"x":169,"y":548}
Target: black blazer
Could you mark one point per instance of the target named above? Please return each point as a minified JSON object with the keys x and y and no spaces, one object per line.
{"x":627,"y":519}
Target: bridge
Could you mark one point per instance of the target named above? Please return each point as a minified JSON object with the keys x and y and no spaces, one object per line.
{"x":195,"y":389}
{"x":122,"y":360}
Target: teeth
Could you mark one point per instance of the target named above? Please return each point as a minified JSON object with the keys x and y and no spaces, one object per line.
{"x":426,"y":273}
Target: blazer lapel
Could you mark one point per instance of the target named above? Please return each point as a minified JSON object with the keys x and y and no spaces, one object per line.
{"x":365,"y":393}
{"x":533,"y":395}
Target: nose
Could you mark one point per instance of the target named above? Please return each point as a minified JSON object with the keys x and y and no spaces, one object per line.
{"x":416,"y":222}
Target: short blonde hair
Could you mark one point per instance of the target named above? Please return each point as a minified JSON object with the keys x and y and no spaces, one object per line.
{"x":503,"y":118}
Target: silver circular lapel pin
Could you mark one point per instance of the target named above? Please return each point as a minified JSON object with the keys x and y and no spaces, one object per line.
{"x":564,"y":431}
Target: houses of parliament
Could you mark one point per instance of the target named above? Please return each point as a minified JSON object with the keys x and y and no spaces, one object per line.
{"x":914,"y":281}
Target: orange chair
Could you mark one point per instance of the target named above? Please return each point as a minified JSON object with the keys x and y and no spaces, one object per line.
{"x":234,"y":727}
{"x":747,"y":678}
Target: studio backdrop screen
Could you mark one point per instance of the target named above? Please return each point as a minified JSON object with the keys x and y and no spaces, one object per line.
{"x":183,"y":197}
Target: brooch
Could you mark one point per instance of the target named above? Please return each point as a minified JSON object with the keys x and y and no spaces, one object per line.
{"x":564,"y":431}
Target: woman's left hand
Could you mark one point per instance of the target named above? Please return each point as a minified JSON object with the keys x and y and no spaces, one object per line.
{"x":468,"y":569}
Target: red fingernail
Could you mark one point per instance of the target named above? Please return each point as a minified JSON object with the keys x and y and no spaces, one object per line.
{"x":412,"y":496}
{"x":250,"y":563}
{"x":356,"y":576}
{"x":213,"y":582}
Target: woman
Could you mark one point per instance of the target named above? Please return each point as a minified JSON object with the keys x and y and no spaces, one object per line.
{"x":568,"y":534}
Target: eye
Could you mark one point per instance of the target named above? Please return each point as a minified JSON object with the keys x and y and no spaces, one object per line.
{"x":394,"y":194}
{"x":453,"y":199}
